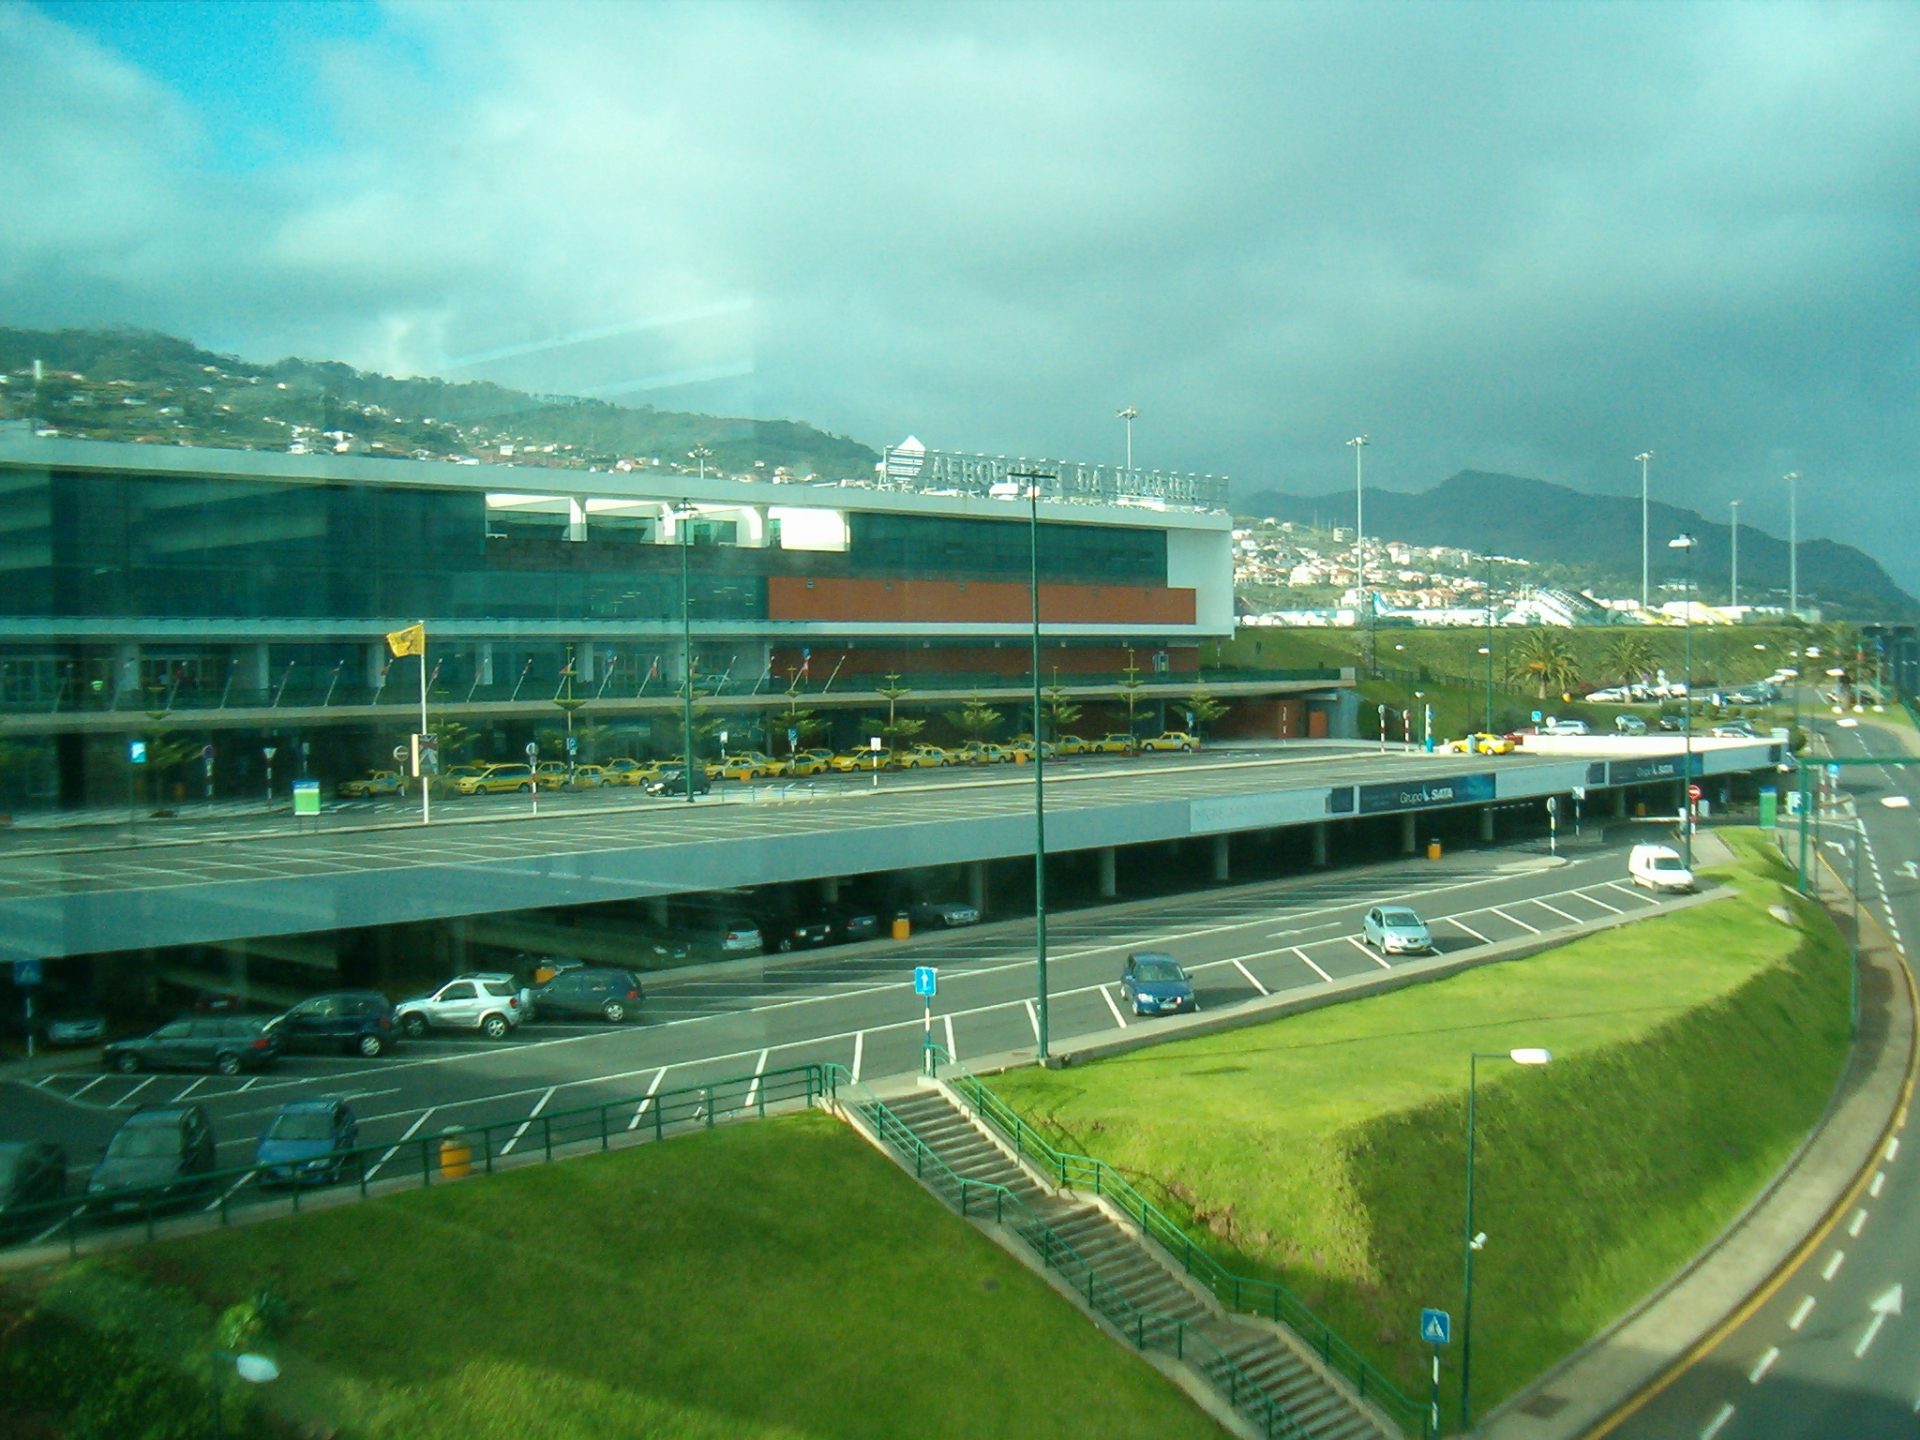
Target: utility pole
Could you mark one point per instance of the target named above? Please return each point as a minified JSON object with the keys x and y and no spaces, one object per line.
{"x":1643,"y":457}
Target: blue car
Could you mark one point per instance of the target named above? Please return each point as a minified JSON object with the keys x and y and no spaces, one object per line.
{"x":1155,"y":984}
{"x":310,"y":1142}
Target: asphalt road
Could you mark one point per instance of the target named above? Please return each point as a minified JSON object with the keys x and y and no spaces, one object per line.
{"x":1831,"y":1355}
{"x":856,"y":1006}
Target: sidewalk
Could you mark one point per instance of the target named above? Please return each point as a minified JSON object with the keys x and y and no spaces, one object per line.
{"x":1691,"y":1313}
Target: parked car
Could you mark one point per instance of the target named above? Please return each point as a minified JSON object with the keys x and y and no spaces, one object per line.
{"x":1735,"y":730}
{"x":1672,"y":720}
{"x":982,"y":752}
{"x":448,"y":780}
{"x":925,"y":757}
{"x":1115,"y":744}
{"x":1659,"y":867}
{"x":588,"y":777}
{"x":945,"y":913}
{"x":747,"y":765}
{"x":1172,"y":740}
{"x":597,"y":992}
{"x":1395,"y":930}
{"x":1071,"y":745}
{"x":33,"y":1174}
{"x":380,"y":782}
{"x":628,"y":771}
{"x":308,"y":1142}
{"x":59,"y":1019}
{"x":156,"y":1157}
{"x":672,"y":780}
{"x":805,"y":762}
{"x":488,"y":1003}
{"x":552,"y":773}
{"x":1630,"y":724}
{"x":226,"y":1043}
{"x":1481,"y":744}
{"x":1564,"y":727}
{"x":1154,"y":984}
{"x":359,"y":1022}
{"x":797,"y":932}
{"x":1607,"y":697}
{"x":497,"y":780}
{"x":848,"y":761}
{"x":855,"y":922}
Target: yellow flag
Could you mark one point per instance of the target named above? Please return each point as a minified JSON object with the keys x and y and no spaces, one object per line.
{"x":410,"y":641}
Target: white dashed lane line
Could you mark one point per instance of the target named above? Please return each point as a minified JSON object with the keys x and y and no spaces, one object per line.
{"x":1718,"y":1423}
{"x":1800,"y":1312}
{"x":1834,"y":1262}
{"x":1759,"y":1371}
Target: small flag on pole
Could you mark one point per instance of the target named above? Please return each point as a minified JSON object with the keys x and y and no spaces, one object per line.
{"x":410,"y":641}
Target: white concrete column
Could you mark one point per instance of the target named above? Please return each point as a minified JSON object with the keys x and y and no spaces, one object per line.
{"x":1318,"y":835}
{"x":376,"y":662}
{"x":1408,"y":844}
{"x":583,"y":671}
{"x":483,"y":662}
{"x":576,"y":517}
{"x":254,"y":671}
{"x":830,"y":888}
{"x":977,"y":886}
{"x":1486,"y":824}
{"x":1220,"y":854}
{"x":1620,"y":803}
{"x":126,"y":674}
{"x":1109,"y":884}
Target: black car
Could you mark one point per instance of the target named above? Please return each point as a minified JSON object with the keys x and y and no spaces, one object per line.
{"x":156,"y":1157}
{"x":598,"y":992}
{"x":226,"y":1043}
{"x":359,"y":1022}
{"x":796,"y":932}
{"x":33,"y":1174}
{"x":855,"y":922}
{"x":672,"y":781}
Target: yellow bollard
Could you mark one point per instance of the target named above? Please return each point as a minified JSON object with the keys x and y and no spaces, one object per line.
{"x":1433,"y":850}
{"x":456,"y":1155}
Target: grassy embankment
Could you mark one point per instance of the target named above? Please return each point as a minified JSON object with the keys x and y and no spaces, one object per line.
{"x":1691,"y":1054}
{"x":777,"y":1279}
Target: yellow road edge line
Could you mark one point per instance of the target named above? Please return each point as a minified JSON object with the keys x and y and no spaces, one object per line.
{"x":1771,"y":1286}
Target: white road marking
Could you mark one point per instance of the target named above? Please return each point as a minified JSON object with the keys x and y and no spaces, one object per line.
{"x":1118,"y":1018}
{"x":661,"y":1074}
{"x":1307,"y":961}
{"x":953,"y":1051}
{"x":527,"y":1124}
{"x":859,"y":1051}
{"x":84,"y":1088}
{"x":1033,"y":1019}
{"x":188,"y":1091}
{"x":1530,"y":929}
{"x":1631,"y":891}
{"x":1367,"y":950}
{"x":759,"y":1069}
{"x":394,"y":1148}
{"x":143,"y":1085}
{"x":1250,"y":980}
{"x":1879,"y":1181}
{"x":226,"y":1195}
{"x":1833,"y":1265}
{"x":1857,"y":1224}
{"x":1873,"y":1330}
{"x":1759,"y":1372}
{"x":1800,"y":1312}
{"x":1718,"y":1423}
{"x":1462,"y":925}
{"x":1570,"y":919}
{"x":1596,"y":900}
{"x":1893,"y":1146}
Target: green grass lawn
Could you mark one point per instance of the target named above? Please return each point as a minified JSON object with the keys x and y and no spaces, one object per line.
{"x":1691,"y":1055}
{"x":773,"y":1279}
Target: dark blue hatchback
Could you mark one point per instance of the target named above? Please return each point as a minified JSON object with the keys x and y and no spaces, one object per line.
{"x":1155,"y":984}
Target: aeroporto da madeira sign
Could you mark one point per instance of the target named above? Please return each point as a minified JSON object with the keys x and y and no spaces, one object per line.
{"x":917,"y":469}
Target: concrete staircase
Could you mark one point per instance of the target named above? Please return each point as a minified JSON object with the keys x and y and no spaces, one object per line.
{"x":1312,"y":1405}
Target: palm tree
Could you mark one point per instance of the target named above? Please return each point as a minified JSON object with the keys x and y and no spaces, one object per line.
{"x":1544,"y":658}
{"x":1633,"y":656}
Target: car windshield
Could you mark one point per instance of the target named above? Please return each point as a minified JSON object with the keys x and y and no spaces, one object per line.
{"x":1157,"y":970}
{"x":1404,"y":919}
{"x":301,"y":1125}
{"x":1667,"y":862}
{"x":144,"y":1142}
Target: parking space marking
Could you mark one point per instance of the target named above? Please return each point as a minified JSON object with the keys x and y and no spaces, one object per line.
{"x":227,"y":1194}
{"x":394,"y":1148}
{"x":1718,"y":1423}
{"x":1596,"y":900}
{"x":859,"y":1051}
{"x":1307,"y":960}
{"x":759,"y":1069}
{"x":84,"y":1088}
{"x":1857,"y":1224}
{"x":1631,"y":893}
{"x":1496,"y":910}
{"x":527,"y":1124}
{"x":953,"y":1052}
{"x":1879,"y":1181}
{"x":661,"y":1074}
{"x":1250,"y":980}
{"x":1033,"y":1018}
{"x":1570,"y":919}
{"x":1118,"y":1018}
{"x":1462,"y":925}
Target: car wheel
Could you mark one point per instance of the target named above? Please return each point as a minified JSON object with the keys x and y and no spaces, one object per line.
{"x":228,"y":1064}
{"x":786,"y":944}
{"x":371,"y":1045}
{"x":126,"y":1062}
{"x":613,"y":1012}
{"x":526,"y":789}
{"x":494,"y":1027}
{"x":1187,"y":748}
{"x":414,"y":1025}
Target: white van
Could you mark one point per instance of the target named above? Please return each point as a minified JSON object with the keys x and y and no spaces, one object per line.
{"x":1658,"y":867}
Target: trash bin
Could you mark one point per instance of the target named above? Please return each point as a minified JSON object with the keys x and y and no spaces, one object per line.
{"x":902,"y":927}
{"x":456,"y":1155}
{"x":1433,"y":849}
{"x":1640,"y":807}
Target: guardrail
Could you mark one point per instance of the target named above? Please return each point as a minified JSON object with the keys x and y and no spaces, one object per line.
{"x":445,"y":1155}
{"x":1236,"y":1292}
{"x":1143,"y":1328}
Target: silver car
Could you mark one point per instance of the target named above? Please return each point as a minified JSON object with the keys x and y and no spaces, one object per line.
{"x":1395,"y":930}
{"x":488,"y":1003}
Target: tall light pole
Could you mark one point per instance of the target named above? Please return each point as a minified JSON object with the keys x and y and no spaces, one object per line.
{"x":1793,"y":543}
{"x":1033,"y":479}
{"x":1685,"y":543}
{"x":700,"y":454}
{"x":1473,"y":1240}
{"x":1643,"y":457}
{"x":682,"y":515}
{"x":1359,"y":446}
{"x":1733,"y":575}
{"x":1489,"y":645}
{"x":1129,"y":415}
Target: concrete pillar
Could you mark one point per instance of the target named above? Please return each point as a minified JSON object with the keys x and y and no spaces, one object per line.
{"x":576,"y":517}
{"x":1486,"y":824}
{"x":376,"y":662}
{"x":1620,"y":803}
{"x":483,"y":662}
{"x":977,"y":885}
{"x":253,"y":672}
{"x":1317,"y":833}
{"x":1220,"y":854}
{"x":126,"y":675}
{"x":456,"y":942}
{"x":830,"y":888}
{"x":657,"y":912}
{"x":1109,"y":885}
{"x":1408,"y":842}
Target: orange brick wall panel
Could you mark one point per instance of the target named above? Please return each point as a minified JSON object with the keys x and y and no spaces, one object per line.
{"x":933,"y":602}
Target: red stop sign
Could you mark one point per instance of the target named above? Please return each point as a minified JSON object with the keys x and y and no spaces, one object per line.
{"x":1693,"y":792}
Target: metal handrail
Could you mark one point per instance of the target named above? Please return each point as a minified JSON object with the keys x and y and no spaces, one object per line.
{"x":1236,"y":1292}
{"x":1142,"y":1327}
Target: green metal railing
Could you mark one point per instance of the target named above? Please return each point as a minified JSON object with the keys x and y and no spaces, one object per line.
{"x":1236,"y":1292}
{"x":422,"y":1158}
{"x":1143,"y":1328}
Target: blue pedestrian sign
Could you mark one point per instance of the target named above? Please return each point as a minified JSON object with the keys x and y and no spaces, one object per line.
{"x":26,"y":973}
{"x":1436,"y":1327}
{"x":926,"y":981}
{"x":1833,"y":772}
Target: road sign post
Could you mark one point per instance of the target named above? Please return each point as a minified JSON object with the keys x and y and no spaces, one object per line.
{"x":926,"y":984}
{"x":26,"y":975}
{"x":1553,"y":825}
{"x":1436,"y":1328}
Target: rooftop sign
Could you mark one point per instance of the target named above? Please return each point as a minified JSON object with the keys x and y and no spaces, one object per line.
{"x":909,"y":467}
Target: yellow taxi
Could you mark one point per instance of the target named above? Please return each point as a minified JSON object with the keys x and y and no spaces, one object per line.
{"x":497,"y":780}
{"x":589,"y":777}
{"x":747,"y":765}
{"x":1172,"y":740}
{"x":806,"y":762}
{"x":1071,"y":745}
{"x":1113,"y":745}
{"x":924,"y":757}
{"x":1481,"y":744}
{"x":380,"y":782}
{"x":851,"y":760}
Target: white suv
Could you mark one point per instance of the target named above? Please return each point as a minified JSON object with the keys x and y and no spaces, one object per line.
{"x":487,"y":1003}
{"x":1564,"y":727}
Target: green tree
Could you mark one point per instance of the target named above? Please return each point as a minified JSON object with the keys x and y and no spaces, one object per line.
{"x":976,"y":719}
{"x":1060,"y":712}
{"x":797,"y":719}
{"x":1204,"y":709}
{"x":899,"y":729}
{"x":1543,"y":658}
{"x":1130,"y":691}
{"x":1632,"y":656}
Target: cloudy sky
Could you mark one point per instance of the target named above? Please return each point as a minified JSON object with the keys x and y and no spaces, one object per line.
{"x":1536,"y":238}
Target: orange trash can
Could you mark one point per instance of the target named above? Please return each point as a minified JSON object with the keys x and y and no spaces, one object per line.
{"x":456,"y":1155}
{"x":902,"y":927}
{"x":1433,"y":850}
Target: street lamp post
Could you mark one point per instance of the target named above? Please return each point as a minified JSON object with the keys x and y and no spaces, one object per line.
{"x":1685,"y":543}
{"x":1793,"y":544}
{"x":681,"y":516}
{"x":1033,"y":480}
{"x":1473,"y":1239}
{"x":700,"y":454}
{"x":1488,"y":647}
{"x":1643,"y":457}
{"x":1733,"y":574}
{"x":1359,"y":446}
{"x":1129,"y":415}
